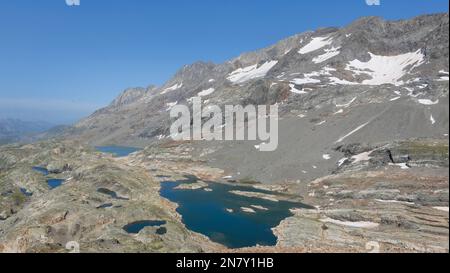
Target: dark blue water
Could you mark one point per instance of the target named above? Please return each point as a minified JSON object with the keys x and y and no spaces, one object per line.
{"x":26,"y":192}
{"x":135,"y":227}
{"x":161,"y":231}
{"x":54,"y":183}
{"x":206,"y":212}
{"x":111,"y":193}
{"x":117,"y":151}
{"x":41,"y":170}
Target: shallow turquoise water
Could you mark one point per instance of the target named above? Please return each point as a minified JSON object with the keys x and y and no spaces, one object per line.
{"x":117,"y":151}
{"x":206,"y":213}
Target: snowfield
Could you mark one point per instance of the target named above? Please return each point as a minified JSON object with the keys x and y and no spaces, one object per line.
{"x":242,"y":75}
{"x":386,"y":69}
{"x":316,"y":44}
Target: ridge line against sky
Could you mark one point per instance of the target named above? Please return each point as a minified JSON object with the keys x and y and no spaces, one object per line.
{"x":60,"y":63}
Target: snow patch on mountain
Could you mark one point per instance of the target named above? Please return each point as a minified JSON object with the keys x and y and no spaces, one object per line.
{"x":297,"y":91}
{"x":428,"y":102}
{"x":172,"y":88}
{"x":346,"y":105}
{"x":386,"y":69}
{"x":206,"y":92}
{"x":316,"y":44}
{"x":170,"y":105}
{"x":329,"y":53}
{"x":251,"y":72}
{"x":433,"y":121}
{"x":310,"y":77}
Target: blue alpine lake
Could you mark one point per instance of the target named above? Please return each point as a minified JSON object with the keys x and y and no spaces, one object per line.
{"x":117,"y":151}
{"x":54,"y":183}
{"x":51,"y":182}
{"x":218,"y":213}
{"x":135,"y":227}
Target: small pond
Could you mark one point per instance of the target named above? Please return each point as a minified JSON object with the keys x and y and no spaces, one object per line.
{"x":117,"y":151}
{"x":135,"y":227}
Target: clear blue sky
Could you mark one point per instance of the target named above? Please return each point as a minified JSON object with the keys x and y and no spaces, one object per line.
{"x":59,"y":63}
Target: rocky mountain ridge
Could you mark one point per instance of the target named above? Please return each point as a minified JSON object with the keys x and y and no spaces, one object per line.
{"x":403,"y":58}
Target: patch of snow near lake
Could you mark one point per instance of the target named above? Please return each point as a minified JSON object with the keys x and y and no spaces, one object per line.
{"x":212,"y":80}
{"x":296,"y":91}
{"x":394,"y":99}
{"x":251,"y":72}
{"x":206,"y":92}
{"x":326,"y":157}
{"x":352,"y":132}
{"x":315,"y":44}
{"x":172,"y":88}
{"x":428,"y":102}
{"x":248,"y":210}
{"x":441,"y":208}
{"x":350,"y":224}
{"x":329,"y":53}
{"x":386,"y":69}
{"x":443,"y":79}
